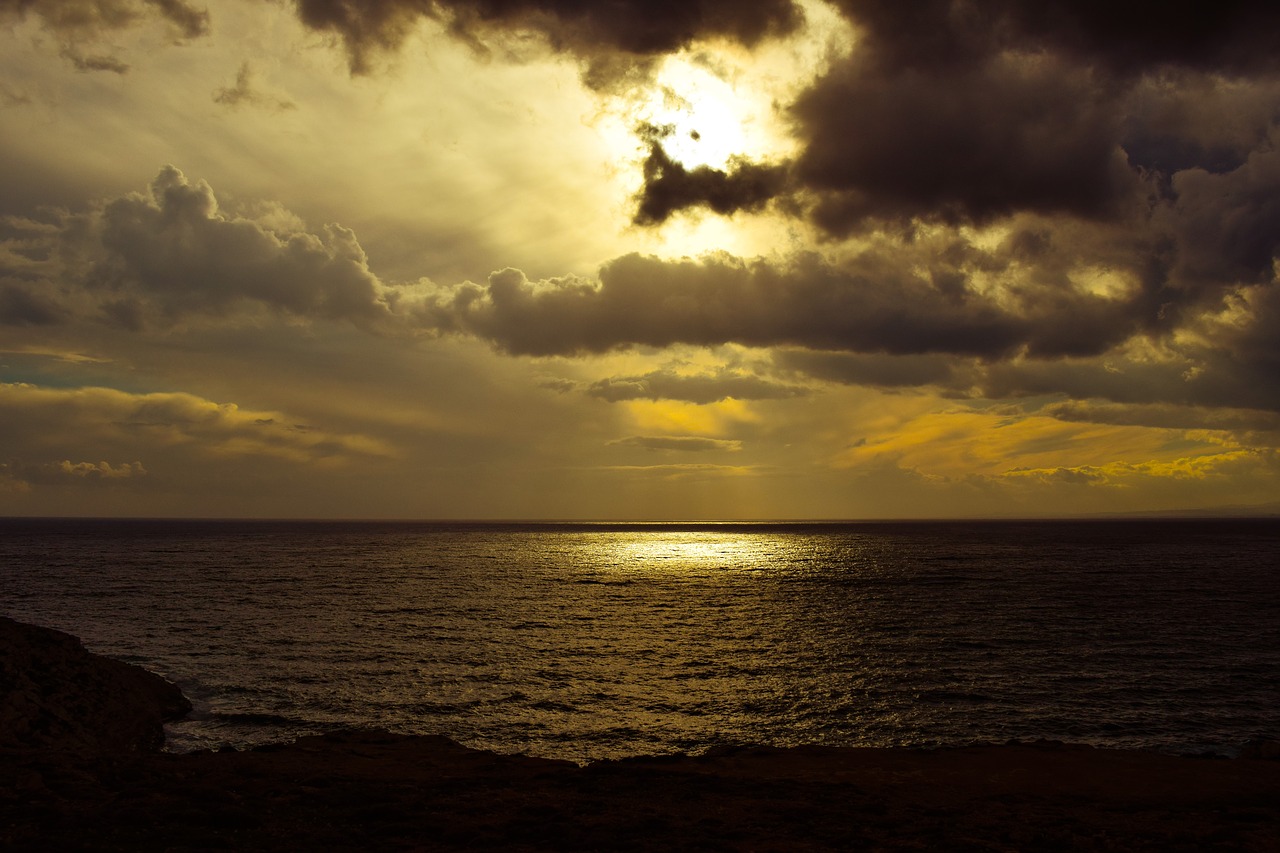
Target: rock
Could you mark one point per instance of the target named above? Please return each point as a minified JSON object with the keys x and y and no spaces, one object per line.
{"x":57,"y":696}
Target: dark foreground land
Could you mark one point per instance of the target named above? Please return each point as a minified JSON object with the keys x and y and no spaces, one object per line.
{"x":78,"y":771}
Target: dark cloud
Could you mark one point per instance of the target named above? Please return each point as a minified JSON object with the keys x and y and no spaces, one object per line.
{"x":1128,"y":37}
{"x":20,"y":306}
{"x":695,"y":388}
{"x":987,"y":140}
{"x":972,"y":110}
{"x":86,"y":20}
{"x":1179,"y":120}
{"x":96,"y":63}
{"x":590,"y":29}
{"x":669,"y":186}
{"x":646,"y":301}
{"x":879,"y":302}
{"x":1227,"y":226}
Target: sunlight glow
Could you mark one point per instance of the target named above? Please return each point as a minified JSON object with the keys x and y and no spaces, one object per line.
{"x":709,"y":121}
{"x":694,"y":552}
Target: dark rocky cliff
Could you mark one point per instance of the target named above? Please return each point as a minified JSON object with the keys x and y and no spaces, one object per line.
{"x":57,"y":696}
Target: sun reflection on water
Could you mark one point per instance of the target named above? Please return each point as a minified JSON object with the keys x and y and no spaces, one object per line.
{"x":685,"y":552}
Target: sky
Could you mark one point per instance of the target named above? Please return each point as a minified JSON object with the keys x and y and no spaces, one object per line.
{"x":707,"y":259}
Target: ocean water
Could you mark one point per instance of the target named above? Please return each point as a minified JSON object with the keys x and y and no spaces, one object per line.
{"x":587,"y":641}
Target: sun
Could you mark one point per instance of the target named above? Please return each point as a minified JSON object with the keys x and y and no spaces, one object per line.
{"x":711,"y":120}
{"x":705,"y":119}
{"x":708,"y":121}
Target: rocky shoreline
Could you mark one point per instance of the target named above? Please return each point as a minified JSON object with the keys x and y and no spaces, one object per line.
{"x":79,"y":770}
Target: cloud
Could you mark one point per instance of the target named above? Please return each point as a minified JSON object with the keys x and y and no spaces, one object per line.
{"x":83,"y":62}
{"x":41,"y":420}
{"x":964,"y":144}
{"x":670,"y":187}
{"x":696,"y":388}
{"x":877,"y":370}
{"x":1237,"y":35}
{"x":967,"y":111}
{"x":67,"y":472}
{"x":871,"y":304}
{"x":1222,"y":467}
{"x":599,"y":31}
{"x":246,"y":93}
{"x":156,"y":259}
{"x":692,"y":443}
{"x":20,"y":306}
{"x":1165,"y":416}
{"x":684,"y":472}
{"x":1226,"y":226}
{"x":92,"y":18}
{"x":1179,"y":306}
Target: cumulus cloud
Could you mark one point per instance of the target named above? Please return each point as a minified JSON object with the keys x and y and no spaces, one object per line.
{"x":156,"y":259}
{"x":176,"y":248}
{"x":872,"y":304}
{"x":1177,"y":306}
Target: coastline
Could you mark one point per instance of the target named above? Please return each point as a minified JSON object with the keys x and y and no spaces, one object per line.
{"x":69,"y":779}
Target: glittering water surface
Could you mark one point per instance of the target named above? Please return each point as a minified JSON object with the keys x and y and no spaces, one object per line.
{"x":590,"y":641}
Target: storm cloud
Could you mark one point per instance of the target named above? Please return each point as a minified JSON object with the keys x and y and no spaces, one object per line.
{"x":669,"y":186}
{"x":638,"y":28}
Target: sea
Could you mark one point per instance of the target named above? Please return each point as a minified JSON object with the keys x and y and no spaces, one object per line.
{"x":588,"y":641}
